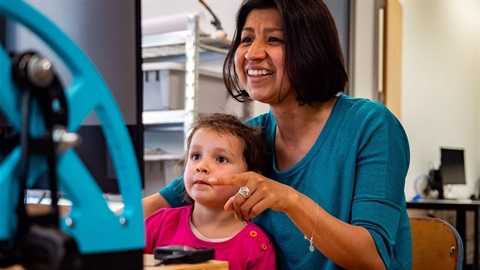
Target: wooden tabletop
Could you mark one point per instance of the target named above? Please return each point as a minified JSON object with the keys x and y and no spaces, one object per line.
{"x":149,"y":264}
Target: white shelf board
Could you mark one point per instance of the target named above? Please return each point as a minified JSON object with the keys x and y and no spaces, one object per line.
{"x":162,"y":157}
{"x":163,"y":117}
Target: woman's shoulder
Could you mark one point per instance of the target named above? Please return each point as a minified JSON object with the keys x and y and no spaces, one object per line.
{"x":362,"y":107}
{"x":359,"y":102}
{"x":368,"y":115}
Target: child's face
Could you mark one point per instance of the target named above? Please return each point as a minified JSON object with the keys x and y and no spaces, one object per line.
{"x":212,"y":154}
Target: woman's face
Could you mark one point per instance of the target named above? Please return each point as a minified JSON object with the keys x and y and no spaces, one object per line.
{"x":259,"y":59}
{"x":212,"y":154}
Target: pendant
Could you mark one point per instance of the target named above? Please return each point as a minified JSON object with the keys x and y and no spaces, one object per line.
{"x":311,"y":248}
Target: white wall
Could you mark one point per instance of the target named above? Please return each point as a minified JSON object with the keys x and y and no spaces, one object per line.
{"x":441,"y":73}
{"x":225,"y":10}
{"x":362,"y":79}
{"x":440,"y":86}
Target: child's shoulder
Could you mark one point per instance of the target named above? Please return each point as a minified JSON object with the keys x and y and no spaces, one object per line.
{"x":254,"y":227}
{"x":171,"y":212}
{"x":257,"y":235}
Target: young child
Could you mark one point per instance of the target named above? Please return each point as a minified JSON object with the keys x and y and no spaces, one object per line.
{"x":219,"y":145}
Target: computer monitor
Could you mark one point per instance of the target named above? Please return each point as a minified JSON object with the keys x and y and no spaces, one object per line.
{"x":109,"y":32}
{"x":452,"y":166}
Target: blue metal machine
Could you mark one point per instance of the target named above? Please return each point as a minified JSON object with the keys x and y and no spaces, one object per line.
{"x":38,"y":109}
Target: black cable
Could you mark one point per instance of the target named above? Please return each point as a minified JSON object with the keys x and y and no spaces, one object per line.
{"x":44,"y":194}
{"x":23,"y":165}
{"x":215,"y":21}
{"x":54,"y":194}
{"x":160,"y":262}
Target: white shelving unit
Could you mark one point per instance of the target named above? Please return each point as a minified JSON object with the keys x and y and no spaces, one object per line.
{"x":187,"y":69}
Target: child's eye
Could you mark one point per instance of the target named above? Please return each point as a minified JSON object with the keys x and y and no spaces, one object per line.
{"x":222,"y":160}
{"x":195,"y":156}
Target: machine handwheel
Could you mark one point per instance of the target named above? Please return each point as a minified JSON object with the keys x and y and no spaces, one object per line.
{"x":90,"y":222}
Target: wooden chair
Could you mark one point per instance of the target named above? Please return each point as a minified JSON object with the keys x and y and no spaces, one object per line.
{"x":435,"y":244}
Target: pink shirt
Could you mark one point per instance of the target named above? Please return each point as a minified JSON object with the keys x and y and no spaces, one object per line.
{"x":249,"y":249}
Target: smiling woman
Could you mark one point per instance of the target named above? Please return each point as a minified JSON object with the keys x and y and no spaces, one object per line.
{"x":255,"y":44}
{"x":338,"y":163}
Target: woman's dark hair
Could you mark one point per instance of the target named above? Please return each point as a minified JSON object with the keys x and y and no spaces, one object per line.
{"x":314,"y":61}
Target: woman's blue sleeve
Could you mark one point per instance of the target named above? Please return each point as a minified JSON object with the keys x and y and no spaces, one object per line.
{"x":174,"y":192}
{"x":382,"y":165}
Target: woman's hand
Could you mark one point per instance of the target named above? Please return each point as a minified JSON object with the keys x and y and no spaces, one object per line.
{"x":264,"y":193}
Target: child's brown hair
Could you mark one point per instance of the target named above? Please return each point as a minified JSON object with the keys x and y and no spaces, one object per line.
{"x":255,"y":151}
